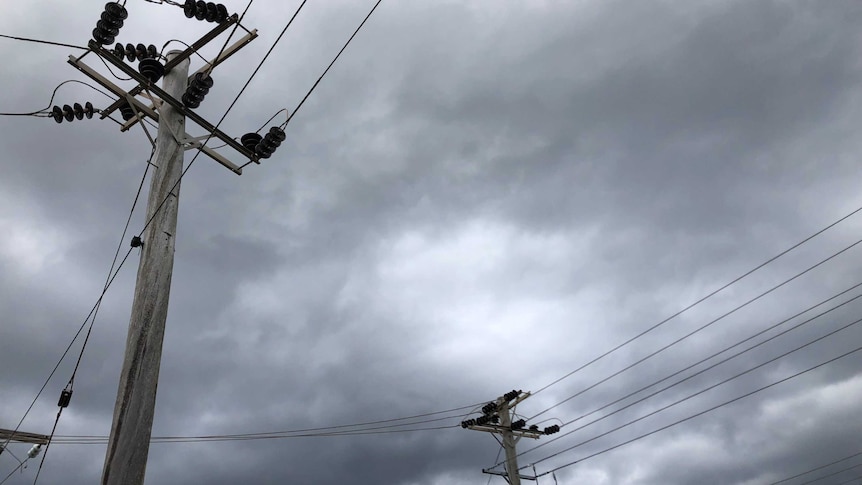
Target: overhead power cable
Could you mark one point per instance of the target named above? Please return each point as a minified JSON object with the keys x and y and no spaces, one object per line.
{"x":712,"y":366}
{"x":44,"y":112}
{"x":843,"y":470}
{"x":38,"y":41}
{"x":688,"y":418}
{"x":690,"y":396}
{"x":91,"y":316}
{"x":854,"y":455}
{"x":701,"y":328}
{"x":327,"y":430}
{"x":701,"y":300}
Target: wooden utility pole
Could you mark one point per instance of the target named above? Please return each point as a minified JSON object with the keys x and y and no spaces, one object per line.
{"x":497,"y":418}
{"x":128,"y":445}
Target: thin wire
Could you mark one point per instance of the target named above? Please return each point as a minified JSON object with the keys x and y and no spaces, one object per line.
{"x":702,"y":412}
{"x":327,"y":428}
{"x":831,"y":474}
{"x":702,"y":361}
{"x":854,"y":455}
{"x":209,"y":137}
{"x":662,"y":349}
{"x":291,"y":115}
{"x":38,"y":41}
{"x":725,"y":381}
{"x":42,"y":112}
{"x":121,"y":78}
{"x":701,"y":300}
{"x":330,"y":64}
{"x":274,"y":437}
{"x":108,"y":279}
{"x":93,"y":312}
{"x":13,"y":471}
{"x":165,"y":46}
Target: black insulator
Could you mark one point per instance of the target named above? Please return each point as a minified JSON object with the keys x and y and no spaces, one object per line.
{"x":552,"y":429}
{"x":116,"y":10}
{"x":250,"y":140}
{"x":79,"y":111}
{"x":152,"y":69}
{"x":57,"y":114}
{"x":126,"y":111}
{"x":110,"y":23}
{"x":534,"y":427}
{"x":222,"y":13}
{"x":200,"y":10}
{"x":495,"y":418}
{"x":65,"y":398}
{"x":152,"y":52}
{"x":101,"y":37}
{"x":130,"y":52}
{"x":189,"y":8}
{"x":140,"y":52}
{"x":119,"y":51}
{"x":137,"y":242}
{"x":197,"y":90}
{"x":519,"y":424}
{"x":511,"y":395}
{"x":68,"y":112}
{"x":88,"y":110}
{"x":270,"y":142}
{"x":489,"y":408}
{"x":212,"y":12}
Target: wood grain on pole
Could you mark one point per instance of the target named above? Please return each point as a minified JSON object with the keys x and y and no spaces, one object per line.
{"x":128,"y":445}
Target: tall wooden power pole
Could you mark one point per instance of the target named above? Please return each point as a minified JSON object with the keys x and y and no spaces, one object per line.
{"x":129,"y":443}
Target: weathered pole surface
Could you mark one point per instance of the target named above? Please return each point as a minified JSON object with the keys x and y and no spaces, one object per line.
{"x":129,"y":443}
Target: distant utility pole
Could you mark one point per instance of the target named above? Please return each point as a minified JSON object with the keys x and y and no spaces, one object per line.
{"x":497,"y":417}
{"x":170,"y":106}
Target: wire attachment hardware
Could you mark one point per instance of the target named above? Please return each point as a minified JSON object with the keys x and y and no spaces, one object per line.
{"x":65,"y":398}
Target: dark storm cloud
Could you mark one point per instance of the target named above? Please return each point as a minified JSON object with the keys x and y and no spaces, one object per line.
{"x":477,"y":197}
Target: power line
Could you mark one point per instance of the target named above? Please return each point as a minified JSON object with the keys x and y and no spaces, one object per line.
{"x":301,"y":102}
{"x":699,"y":329}
{"x":854,"y":455}
{"x":267,"y":435}
{"x":44,"y":111}
{"x":694,"y":415}
{"x":38,"y":41}
{"x":331,"y":63}
{"x":725,"y":381}
{"x":701,"y":300}
{"x":112,"y":274}
{"x":831,"y":474}
{"x":716,"y":364}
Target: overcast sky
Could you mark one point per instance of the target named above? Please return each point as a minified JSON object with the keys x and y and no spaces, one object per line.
{"x":480,"y":196}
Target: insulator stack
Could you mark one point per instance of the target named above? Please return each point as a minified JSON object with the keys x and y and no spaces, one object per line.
{"x":151,"y":69}
{"x":489,"y":408}
{"x":135,"y":52}
{"x":511,"y":395}
{"x":552,"y":429}
{"x":197,"y":90}
{"x":71,"y":113}
{"x":519,"y":424}
{"x":110,"y":23}
{"x":468,"y":422}
{"x":270,"y":142}
{"x":126,"y":111}
{"x":209,"y":11}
